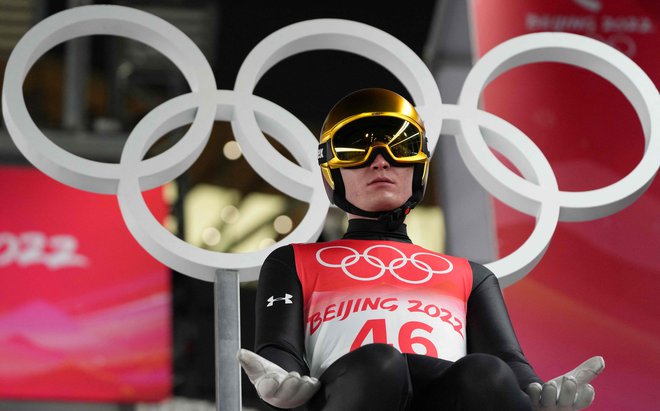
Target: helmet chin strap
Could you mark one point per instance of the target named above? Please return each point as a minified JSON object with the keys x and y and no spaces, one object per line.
{"x":396,"y":217}
{"x":393,"y":218}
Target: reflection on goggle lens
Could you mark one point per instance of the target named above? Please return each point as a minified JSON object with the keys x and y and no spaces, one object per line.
{"x":402,"y":139}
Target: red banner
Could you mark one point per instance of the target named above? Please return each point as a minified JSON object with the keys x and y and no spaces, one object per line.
{"x":595,"y":291}
{"x":84,"y":310}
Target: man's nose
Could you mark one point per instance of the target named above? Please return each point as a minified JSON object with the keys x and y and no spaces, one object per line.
{"x":379,"y":163}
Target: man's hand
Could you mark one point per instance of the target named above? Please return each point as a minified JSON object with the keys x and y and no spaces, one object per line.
{"x":567,"y":392}
{"x":276,"y":386}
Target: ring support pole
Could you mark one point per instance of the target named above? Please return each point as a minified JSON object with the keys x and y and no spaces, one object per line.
{"x":227,"y":340}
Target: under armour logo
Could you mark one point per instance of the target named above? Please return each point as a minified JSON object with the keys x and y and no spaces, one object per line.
{"x":287,"y":299}
{"x":319,"y":153}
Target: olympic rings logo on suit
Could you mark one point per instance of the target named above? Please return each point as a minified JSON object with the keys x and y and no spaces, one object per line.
{"x":477,"y":132}
{"x":396,"y":264}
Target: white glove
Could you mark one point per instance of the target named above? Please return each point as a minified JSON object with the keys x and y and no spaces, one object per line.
{"x":567,"y":392}
{"x":276,"y":386}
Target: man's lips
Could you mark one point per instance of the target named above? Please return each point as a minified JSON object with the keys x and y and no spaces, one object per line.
{"x":380,"y":180}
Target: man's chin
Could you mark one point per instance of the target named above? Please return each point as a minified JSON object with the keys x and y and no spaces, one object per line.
{"x":384,"y":206}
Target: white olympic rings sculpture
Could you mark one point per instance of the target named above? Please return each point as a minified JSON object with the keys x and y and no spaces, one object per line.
{"x":476,"y":131}
{"x":397,"y":263}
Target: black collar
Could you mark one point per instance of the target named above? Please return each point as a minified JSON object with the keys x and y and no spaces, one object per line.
{"x":365,"y":229}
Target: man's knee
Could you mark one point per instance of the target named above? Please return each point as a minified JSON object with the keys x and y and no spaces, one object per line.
{"x":381,"y":358}
{"x":483,"y":369}
{"x":372,"y":377}
{"x":378,"y":361}
{"x":485,"y":378}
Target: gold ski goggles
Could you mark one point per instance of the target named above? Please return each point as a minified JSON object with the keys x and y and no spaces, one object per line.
{"x":356,"y":141}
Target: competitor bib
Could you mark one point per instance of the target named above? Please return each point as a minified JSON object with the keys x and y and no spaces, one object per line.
{"x":358,"y":292}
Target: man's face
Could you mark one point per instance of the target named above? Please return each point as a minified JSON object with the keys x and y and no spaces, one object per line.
{"x":378,"y":186}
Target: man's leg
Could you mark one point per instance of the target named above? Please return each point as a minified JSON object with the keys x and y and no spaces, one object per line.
{"x":373,"y":377}
{"x":476,"y":382}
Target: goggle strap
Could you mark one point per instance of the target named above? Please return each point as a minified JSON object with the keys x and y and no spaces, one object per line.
{"x":324,"y":153}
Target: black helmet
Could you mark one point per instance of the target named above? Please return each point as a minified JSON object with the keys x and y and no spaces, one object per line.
{"x":363,"y":124}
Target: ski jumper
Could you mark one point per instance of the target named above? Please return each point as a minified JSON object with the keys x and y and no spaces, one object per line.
{"x":321,"y":304}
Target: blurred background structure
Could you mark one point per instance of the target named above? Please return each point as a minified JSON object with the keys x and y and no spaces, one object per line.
{"x":88,"y":94}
